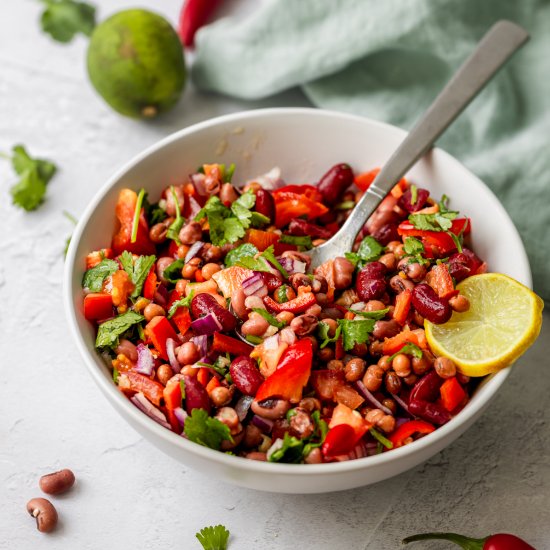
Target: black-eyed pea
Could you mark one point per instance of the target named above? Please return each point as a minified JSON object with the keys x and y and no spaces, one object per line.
{"x":164,"y":373}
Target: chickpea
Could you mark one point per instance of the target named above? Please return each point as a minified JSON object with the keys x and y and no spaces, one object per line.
{"x":255,"y":326}
{"x":180,"y":286}
{"x":354,"y":369}
{"x":445,"y":367}
{"x":335,"y":364}
{"x":393,"y":382}
{"x":153,"y":310}
{"x":401,"y":364}
{"x":44,"y":512}
{"x":57,"y":483}
{"x":188,"y":353}
{"x":164,"y":373}
{"x":373,"y":378}
{"x":388,"y":260}
{"x":387,"y":423}
{"x":190,"y":233}
{"x":459,"y":303}
{"x":375,"y":305}
{"x":209,"y":269}
{"x":221,"y":396}
{"x":343,"y":273}
{"x":189,"y":269}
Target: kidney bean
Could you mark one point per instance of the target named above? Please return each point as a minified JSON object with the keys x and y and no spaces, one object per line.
{"x":369,"y":289}
{"x":153,"y":310}
{"x":431,"y":412}
{"x":265,"y":204}
{"x":300,"y":228}
{"x":57,"y":483}
{"x":196,"y":396}
{"x":427,"y":388}
{"x":44,"y":512}
{"x":426,"y":301}
{"x":245,"y":375}
{"x":333,"y":184}
{"x":405,"y":201}
{"x":386,"y":329}
{"x":386,"y":233}
{"x":272,"y":409}
{"x":203,"y":304}
{"x":343,"y":273}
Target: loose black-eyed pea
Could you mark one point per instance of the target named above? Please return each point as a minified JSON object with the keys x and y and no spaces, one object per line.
{"x":44,"y":512}
{"x":57,"y":482}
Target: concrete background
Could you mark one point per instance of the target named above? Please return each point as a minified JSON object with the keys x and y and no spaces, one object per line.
{"x":129,"y":495}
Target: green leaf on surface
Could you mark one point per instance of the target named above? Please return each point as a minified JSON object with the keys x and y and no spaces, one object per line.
{"x":213,"y":538}
{"x":63,"y":19}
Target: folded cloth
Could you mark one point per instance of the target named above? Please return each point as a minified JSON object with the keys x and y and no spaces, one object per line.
{"x":387,"y":60}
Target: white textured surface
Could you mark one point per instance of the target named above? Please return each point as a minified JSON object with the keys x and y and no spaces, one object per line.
{"x":129,"y":495}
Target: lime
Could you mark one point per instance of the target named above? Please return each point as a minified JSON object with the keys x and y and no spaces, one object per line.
{"x":504,"y":319}
{"x":136,"y":63}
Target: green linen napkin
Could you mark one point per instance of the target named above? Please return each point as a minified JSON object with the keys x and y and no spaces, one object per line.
{"x":387,"y":59}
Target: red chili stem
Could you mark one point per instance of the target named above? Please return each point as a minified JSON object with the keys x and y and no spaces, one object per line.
{"x":467,"y":543}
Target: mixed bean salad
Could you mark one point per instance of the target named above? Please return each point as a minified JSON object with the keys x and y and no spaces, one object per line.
{"x":215,"y":326}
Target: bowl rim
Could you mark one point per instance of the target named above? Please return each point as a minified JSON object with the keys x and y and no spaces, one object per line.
{"x":116,"y":398}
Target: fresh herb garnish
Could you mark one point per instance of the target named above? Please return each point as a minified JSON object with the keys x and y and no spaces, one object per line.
{"x":297,"y":240}
{"x":213,"y":538}
{"x":414,"y":194}
{"x":153,"y":212}
{"x":323,"y":330}
{"x":269,"y":255}
{"x":116,"y":374}
{"x":381,"y":439}
{"x":28,"y":193}
{"x":260,"y":263}
{"x":440,"y":221}
{"x":290,"y":451}
{"x":182,"y":388}
{"x":410,"y":349}
{"x":245,"y":250}
{"x":137,"y":270}
{"x":63,"y":19}
{"x":109,"y":331}
{"x":185,"y":301}
{"x":346,"y":205}
{"x":456,"y":240}
{"x":376,"y":315}
{"x":269,"y":318}
{"x":173,"y":272}
{"x":320,"y":433}
{"x":258,"y":220}
{"x":94,"y":277}
{"x":205,"y":430}
{"x":177,"y":224}
{"x":355,"y":331}
{"x":137,"y":213}
{"x":414,"y":249}
{"x":254,"y":339}
{"x":369,"y":251}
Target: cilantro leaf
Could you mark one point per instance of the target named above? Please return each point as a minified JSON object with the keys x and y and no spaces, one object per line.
{"x":28,"y":193}
{"x":413,"y":246}
{"x":233,"y":230}
{"x":414,"y":194}
{"x":260,"y":263}
{"x":242,"y":251}
{"x":323,"y":330}
{"x":137,"y":270}
{"x":376,"y":315}
{"x":441,"y":221}
{"x":408,"y":348}
{"x":443,"y":204}
{"x":269,"y":318}
{"x":320,"y":433}
{"x":258,"y":220}
{"x":355,"y":332}
{"x":205,"y":430}
{"x":269,"y":255}
{"x":109,"y":331}
{"x":290,"y":451}
{"x":381,"y":439}
{"x":297,"y":240}
{"x":173,"y":272}
{"x":63,"y":19}
{"x":213,"y":538}
{"x":185,"y":301}
{"x":94,"y":277}
{"x":153,"y":212}
{"x":369,"y":251}
{"x":246,"y":200}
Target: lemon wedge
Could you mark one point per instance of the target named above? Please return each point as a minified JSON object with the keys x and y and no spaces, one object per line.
{"x":504,"y":319}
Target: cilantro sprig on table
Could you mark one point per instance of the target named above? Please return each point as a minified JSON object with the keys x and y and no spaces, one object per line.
{"x":64,"y":19}
{"x":213,"y":538}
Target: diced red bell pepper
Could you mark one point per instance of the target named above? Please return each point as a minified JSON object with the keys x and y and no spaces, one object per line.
{"x":159,"y":330}
{"x":172,"y":392}
{"x":339,"y":440}
{"x":226,"y":344}
{"x":261,"y":239}
{"x":173,"y":249}
{"x":326,"y":381}
{"x":93,"y":258}
{"x":125,"y":209}
{"x":298,"y":305}
{"x":395,"y":343}
{"x":441,"y":281}
{"x":98,"y":306}
{"x":203,"y":376}
{"x":408,"y":429}
{"x":296,"y":207}
{"x":364,"y":180}
{"x":292,"y":374}
{"x":213,"y":384}
{"x":151,"y":283}
{"x":402,"y":306}
{"x":182,"y":317}
{"x":452,"y":394}
{"x":289,"y":192}
{"x":346,"y":395}
{"x":135,"y":382}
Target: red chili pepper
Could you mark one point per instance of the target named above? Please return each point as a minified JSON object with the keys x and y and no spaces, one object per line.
{"x":98,"y":306}
{"x":291,"y":375}
{"x":408,"y":429}
{"x":441,"y":281}
{"x":159,"y":330}
{"x":299,"y":205}
{"x":135,"y":382}
{"x":500,"y":541}
{"x":226,"y":344}
{"x":261,"y":239}
{"x":194,"y":14}
{"x":452,"y":394}
{"x":150,"y":285}
{"x":402,"y":306}
{"x":298,"y":305}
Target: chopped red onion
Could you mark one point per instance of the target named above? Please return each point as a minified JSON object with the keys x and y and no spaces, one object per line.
{"x":171,"y":352}
{"x":202,"y":343}
{"x":243,"y":406}
{"x":277,"y":444}
{"x":273,"y":270}
{"x":161,"y":295}
{"x":272,"y":342}
{"x":270,"y":180}
{"x":264,"y":424}
{"x":401,"y":403}
{"x":146,"y":361}
{"x":358,"y":306}
{"x":206,"y":325}
{"x":144,"y":405}
{"x":400,"y":421}
{"x":198,"y":182}
{"x":371,"y":448}
{"x":181,"y":415}
{"x":291,"y":265}
{"x":255,"y":286}
{"x":193,"y":251}
{"x":370,"y":397}
{"x":194,"y":207}
{"x":288,"y":336}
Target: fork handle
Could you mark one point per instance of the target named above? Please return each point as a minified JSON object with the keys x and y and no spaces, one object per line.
{"x":494,"y":50}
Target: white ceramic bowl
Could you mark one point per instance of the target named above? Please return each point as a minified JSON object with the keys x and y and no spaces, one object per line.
{"x":304,"y":143}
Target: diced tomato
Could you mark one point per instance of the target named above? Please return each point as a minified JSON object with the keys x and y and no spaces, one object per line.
{"x":326,"y":381}
{"x":135,"y":382}
{"x":93,"y":258}
{"x":280,"y":247}
{"x":289,"y":192}
{"x":151,"y":283}
{"x":292,"y":374}
{"x":402,"y":306}
{"x":226,"y":344}
{"x":296,"y":207}
{"x":408,"y":429}
{"x":298,"y":305}
{"x":346,"y":395}
{"x":441,"y":281}
{"x":452,"y":394}
{"x":173,"y":249}
{"x":98,"y":306}
{"x":172,"y":392}
{"x":125,"y":209}
{"x":203,"y":376}
{"x":395,"y":343}
{"x":158,"y":331}
{"x":230,"y":280}
{"x":344,"y":440}
{"x":261,"y":239}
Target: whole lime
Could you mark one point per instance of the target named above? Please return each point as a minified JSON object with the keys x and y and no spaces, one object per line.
{"x":136,"y":63}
